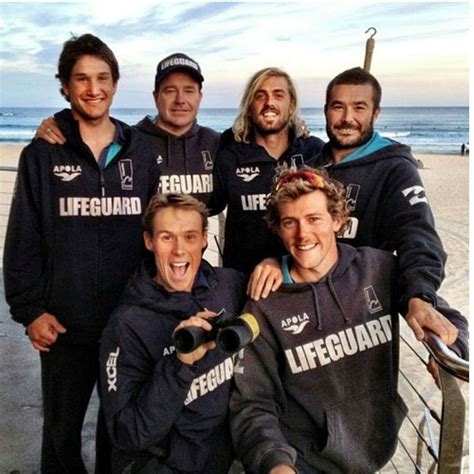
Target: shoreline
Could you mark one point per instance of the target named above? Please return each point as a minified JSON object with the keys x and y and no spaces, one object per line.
{"x":10,"y":153}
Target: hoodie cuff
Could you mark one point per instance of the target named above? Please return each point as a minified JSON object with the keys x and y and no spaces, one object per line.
{"x":27,"y":314}
{"x":274,"y":458}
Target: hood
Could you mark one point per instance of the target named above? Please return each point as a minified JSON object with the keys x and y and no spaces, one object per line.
{"x":252,"y":152}
{"x":144,"y":292}
{"x":346,"y":256}
{"x":395,"y":150}
{"x":154,"y":133}
{"x":148,"y":127}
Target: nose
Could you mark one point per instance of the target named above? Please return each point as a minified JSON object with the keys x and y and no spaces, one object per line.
{"x":302,"y":230}
{"x":269,"y":100}
{"x":178,"y":247}
{"x":179,"y":98}
{"x":94,"y":87}
{"x":348,"y":115}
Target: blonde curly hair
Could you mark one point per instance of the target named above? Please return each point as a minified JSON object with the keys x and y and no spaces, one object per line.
{"x":292,"y":183}
{"x":243,"y":126}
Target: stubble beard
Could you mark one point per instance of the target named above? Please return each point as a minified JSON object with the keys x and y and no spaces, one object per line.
{"x":364,"y":137}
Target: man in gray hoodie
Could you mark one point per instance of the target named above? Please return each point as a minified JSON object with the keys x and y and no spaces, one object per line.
{"x":317,"y":391}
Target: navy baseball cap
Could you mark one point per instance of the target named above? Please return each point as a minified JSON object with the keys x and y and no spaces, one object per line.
{"x":177,"y":62}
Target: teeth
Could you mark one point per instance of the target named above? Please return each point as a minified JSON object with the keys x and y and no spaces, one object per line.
{"x":306,"y":246}
{"x":269,"y":114}
{"x":179,"y":264}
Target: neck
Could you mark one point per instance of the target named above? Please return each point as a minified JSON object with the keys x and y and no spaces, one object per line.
{"x":315,"y":274}
{"x":275,"y":144}
{"x":176,"y":131}
{"x":96,"y":134}
{"x":339,"y":154}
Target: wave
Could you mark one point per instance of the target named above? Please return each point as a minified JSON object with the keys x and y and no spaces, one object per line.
{"x":395,"y":134}
{"x":15,"y":140}
{"x":6,"y":114}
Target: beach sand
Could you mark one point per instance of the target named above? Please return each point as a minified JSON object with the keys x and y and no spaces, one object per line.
{"x":446,"y":179}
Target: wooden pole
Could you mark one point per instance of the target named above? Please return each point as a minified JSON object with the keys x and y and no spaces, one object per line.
{"x":369,"y":49}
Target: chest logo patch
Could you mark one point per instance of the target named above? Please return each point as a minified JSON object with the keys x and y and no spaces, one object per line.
{"x":351,"y":196}
{"x":295,"y":324}
{"x":67,"y":172}
{"x":207,"y":160}
{"x":373,"y":303}
{"x":126,"y":174}
{"x":247,"y":173}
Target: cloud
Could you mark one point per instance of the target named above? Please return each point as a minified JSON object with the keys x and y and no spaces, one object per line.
{"x":231,"y":40}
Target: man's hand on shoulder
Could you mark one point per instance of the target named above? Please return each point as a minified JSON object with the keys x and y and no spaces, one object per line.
{"x":265,"y":278}
{"x":44,"y":331}
{"x":48,"y":130}
{"x":421,"y":315}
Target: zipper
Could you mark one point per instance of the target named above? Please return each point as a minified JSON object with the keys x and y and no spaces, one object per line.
{"x":102,"y":183}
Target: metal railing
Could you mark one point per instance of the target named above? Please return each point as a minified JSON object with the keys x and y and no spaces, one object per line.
{"x":434,"y":436}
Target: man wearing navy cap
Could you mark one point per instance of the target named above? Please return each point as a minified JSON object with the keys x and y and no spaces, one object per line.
{"x":184,"y":150}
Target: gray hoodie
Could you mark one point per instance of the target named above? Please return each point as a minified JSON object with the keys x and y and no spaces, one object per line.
{"x":318,"y":388}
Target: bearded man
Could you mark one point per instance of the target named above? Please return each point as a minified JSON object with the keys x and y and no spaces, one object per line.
{"x":385,"y":194}
{"x":267,"y":132}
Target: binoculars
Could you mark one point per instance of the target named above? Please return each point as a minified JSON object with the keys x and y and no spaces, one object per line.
{"x":230,"y":334}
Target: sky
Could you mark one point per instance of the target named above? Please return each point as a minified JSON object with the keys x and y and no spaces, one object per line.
{"x":421,"y":52}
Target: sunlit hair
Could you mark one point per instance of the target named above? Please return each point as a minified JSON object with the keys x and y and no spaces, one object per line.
{"x":78,"y":46}
{"x":356,"y":77}
{"x":290,"y":184}
{"x":243,"y":127}
{"x":177,"y":201}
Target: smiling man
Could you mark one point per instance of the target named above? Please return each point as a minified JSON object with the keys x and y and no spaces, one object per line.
{"x":73,"y":240}
{"x":317,"y":391}
{"x":267,"y":132}
{"x":168,"y":411}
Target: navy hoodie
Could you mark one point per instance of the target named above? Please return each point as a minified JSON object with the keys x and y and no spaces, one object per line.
{"x":154,"y":404}
{"x":186,"y":162}
{"x":74,"y":234}
{"x":390,"y":211}
{"x":243,"y":175}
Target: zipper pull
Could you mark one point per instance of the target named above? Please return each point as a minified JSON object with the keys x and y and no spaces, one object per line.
{"x":102,"y":184}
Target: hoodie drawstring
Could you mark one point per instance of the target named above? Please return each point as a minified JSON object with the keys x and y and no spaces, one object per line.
{"x":332,"y":290}
{"x":319,"y":324}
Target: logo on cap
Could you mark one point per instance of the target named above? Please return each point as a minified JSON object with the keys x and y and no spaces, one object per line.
{"x":177,"y":61}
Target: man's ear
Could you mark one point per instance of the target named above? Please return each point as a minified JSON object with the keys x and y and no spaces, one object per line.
{"x":337,"y":224}
{"x":376,"y":114}
{"x":148,"y":241}
{"x":205,"y":243}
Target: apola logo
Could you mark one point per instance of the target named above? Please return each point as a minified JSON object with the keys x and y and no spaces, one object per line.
{"x":67,"y":172}
{"x":248,"y":173}
{"x":295,"y":324}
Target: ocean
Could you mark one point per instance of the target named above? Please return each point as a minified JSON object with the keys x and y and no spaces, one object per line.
{"x":434,"y":130}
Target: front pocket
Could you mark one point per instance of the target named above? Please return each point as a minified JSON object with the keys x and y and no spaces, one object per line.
{"x":362,"y":433}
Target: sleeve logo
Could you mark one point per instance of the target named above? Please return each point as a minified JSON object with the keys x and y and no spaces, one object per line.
{"x":111,"y":369}
{"x":415,"y":195}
